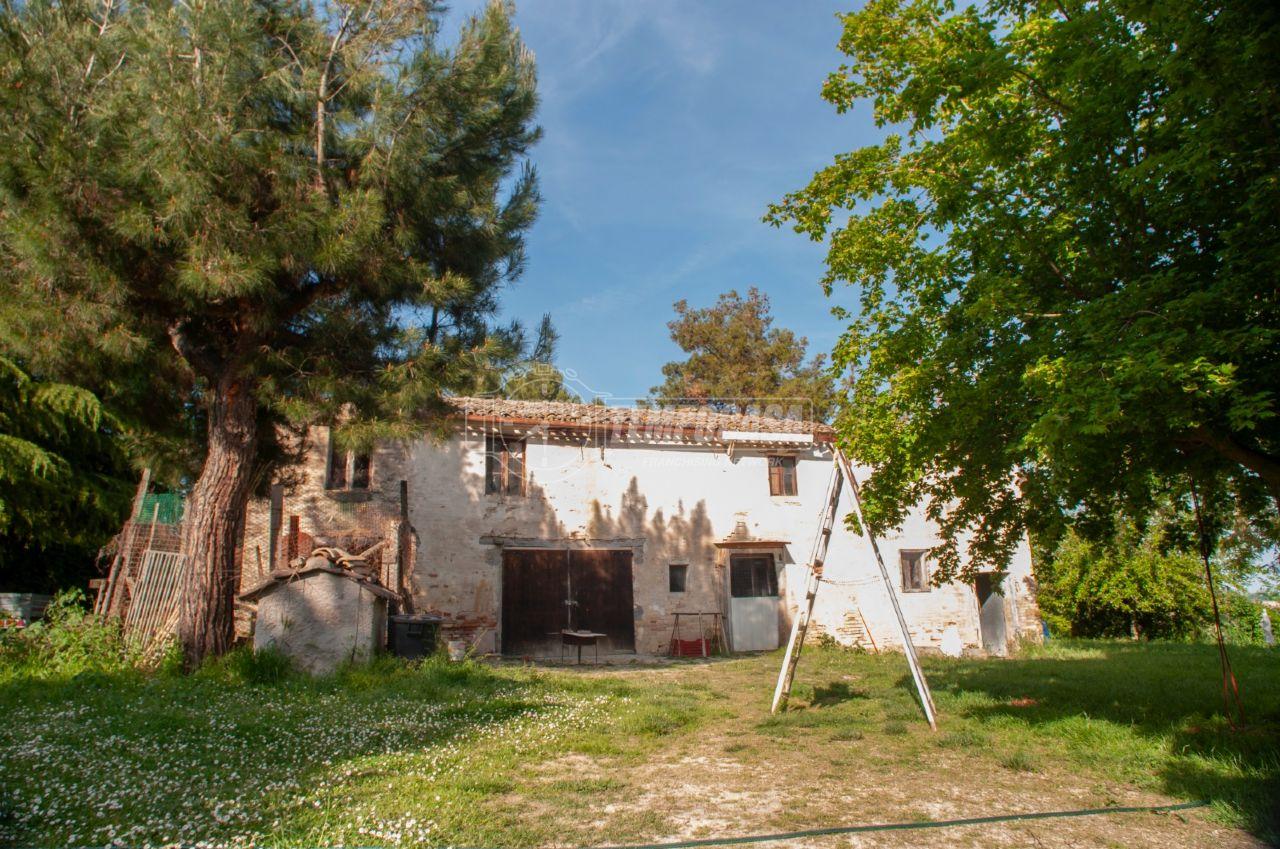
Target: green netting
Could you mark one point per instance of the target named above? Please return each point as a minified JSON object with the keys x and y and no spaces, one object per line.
{"x":166,"y":507}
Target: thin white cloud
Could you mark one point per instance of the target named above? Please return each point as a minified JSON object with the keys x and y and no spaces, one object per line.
{"x":622,"y":295}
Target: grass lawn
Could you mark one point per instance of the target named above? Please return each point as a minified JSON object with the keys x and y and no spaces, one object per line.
{"x":482,"y":756}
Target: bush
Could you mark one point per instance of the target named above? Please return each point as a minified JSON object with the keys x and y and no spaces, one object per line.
{"x":1133,"y":584}
{"x":68,"y":642}
{"x":1241,"y":619}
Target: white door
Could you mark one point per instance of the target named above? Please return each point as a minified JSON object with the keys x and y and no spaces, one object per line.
{"x":753,"y":602}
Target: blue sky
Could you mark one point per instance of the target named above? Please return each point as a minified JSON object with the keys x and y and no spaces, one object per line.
{"x":668,"y":129}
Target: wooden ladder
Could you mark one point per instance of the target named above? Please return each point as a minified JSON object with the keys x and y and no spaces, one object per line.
{"x":843,"y":471}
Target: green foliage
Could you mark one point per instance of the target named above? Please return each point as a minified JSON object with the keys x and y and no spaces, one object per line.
{"x":523,"y":369}
{"x":233,"y":220}
{"x":1130,"y":585}
{"x":1241,"y":620}
{"x":738,"y":361}
{"x":1146,"y":580}
{"x":1063,"y":260}
{"x":68,"y":642}
{"x":244,"y":666}
{"x":64,"y":482}
{"x":276,"y":192}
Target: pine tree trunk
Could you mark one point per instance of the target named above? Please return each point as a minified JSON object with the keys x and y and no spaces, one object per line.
{"x":214,"y":523}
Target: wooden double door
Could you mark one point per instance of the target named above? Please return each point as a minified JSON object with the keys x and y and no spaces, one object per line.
{"x":546,"y":590}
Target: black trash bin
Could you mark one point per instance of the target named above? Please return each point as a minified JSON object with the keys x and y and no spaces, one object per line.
{"x":413,"y":634}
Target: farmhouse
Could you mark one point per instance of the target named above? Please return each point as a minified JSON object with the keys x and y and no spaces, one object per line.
{"x":526,"y":518}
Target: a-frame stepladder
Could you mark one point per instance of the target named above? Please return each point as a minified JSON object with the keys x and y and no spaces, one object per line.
{"x":841,"y":472}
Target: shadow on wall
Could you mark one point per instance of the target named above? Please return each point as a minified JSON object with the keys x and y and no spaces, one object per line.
{"x":581,"y":505}
{"x":685,"y":536}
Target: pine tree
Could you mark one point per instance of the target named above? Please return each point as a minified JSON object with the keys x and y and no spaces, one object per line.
{"x":230,"y":218}
{"x":738,"y":361}
{"x":64,"y":480}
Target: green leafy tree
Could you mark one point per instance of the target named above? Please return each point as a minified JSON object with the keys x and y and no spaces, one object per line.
{"x":738,"y":361}
{"x":230,"y":219}
{"x":1131,"y":585}
{"x":1063,"y":252}
{"x":64,"y":481}
{"x":1248,"y":558}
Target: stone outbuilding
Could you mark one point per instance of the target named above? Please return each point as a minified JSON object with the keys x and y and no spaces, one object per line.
{"x":320,"y":615}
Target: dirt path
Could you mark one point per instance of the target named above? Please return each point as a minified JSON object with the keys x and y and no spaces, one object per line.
{"x":741,"y":773}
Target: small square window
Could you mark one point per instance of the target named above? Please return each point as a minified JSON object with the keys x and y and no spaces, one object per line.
{"x":678,"y":576}
{"x":915,"y":569}
{"x":782,"y":475}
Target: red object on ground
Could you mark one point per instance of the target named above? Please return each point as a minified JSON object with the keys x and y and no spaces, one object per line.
{"x":690,"y":648}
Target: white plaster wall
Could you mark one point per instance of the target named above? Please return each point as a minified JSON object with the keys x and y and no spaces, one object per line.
{"x":856,"y":593}
{"x":667,"y":503}
{"x":670,"y":504}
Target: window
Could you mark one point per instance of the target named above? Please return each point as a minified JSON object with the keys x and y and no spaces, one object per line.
{"x":915,"y":569}
{"x":752,"y":576}
{"x":504,"y":465}
{"x":678,"y":575}
{"x":782,"y":475}
{"x":347,"y":469}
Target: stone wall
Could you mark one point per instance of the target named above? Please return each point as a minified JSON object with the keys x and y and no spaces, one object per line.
{"x":321,"y":620}
{"x":349,"y":519}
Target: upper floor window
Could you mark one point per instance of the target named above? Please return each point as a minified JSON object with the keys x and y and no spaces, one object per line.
{"x":504,"y":465}
{"x":782,"y":474}
{"x":347,"y":469}
{"x":915,"y":569}
{"x":677,"y":577}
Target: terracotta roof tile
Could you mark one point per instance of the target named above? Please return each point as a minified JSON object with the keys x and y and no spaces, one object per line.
{"x":639,"y":418}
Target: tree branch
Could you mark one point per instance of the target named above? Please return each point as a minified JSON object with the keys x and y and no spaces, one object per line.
{"x":1265,"y":466}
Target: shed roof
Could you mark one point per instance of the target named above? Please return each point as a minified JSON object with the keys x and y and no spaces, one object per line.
{"x":281,"y":577}
{"x":702,"y":420}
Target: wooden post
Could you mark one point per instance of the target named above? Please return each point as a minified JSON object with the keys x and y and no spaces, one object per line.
{"x":151,"y":534}
{"x":291,"y":542}
{"x":121,"y":561}
{"x":404,"y":550}
{"x":274,"y":518}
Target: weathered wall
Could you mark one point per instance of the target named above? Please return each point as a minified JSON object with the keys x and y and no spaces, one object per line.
{"x":667,"y":503}
{"x":670,"y":504}
{"x":321,"y":620}
{"x":856,"y":594}
{"x":352,"y":520}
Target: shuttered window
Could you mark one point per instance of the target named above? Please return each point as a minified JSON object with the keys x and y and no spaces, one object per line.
{"x":504,"y":465}
{"x":782,"y":475}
